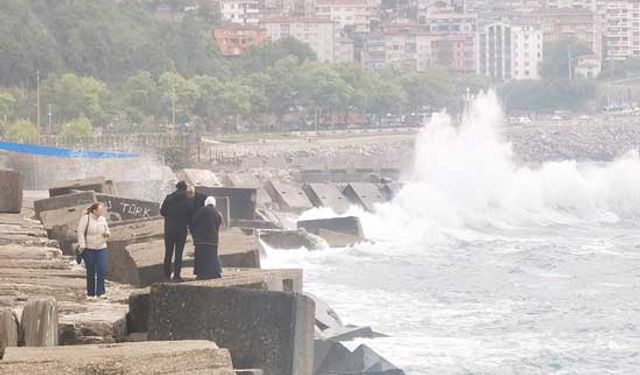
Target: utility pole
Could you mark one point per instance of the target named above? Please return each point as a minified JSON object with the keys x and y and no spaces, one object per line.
{"x":173,"y":94}
{"x":49,"y":120}
{"x":38,"y":99}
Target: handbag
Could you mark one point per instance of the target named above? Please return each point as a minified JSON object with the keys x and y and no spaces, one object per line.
{"x":81,"y":250}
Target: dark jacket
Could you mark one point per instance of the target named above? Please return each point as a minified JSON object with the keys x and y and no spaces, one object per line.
{"x":175,"y":209}
{"x":205,"y":226}
{"x":195,"y":204}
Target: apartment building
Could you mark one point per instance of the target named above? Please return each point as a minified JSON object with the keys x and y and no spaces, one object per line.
{"x":322,"y":35}
{"x":234,"y":39}
{"x":356,"y":14}
{"x":245,"y":12}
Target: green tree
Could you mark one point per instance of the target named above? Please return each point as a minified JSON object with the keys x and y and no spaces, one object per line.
{"x":262,"y":57}
{"x":177,"y":89}
{"x":77,"y":130}
{"x":72,"y":96}
{"x":430,"y":89}
{"x":559,"y":56}
{"x":7,"y":102}
{"x":22,"y":131}
{"x":140,"y":96}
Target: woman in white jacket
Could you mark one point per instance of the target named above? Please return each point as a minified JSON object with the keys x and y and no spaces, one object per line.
{"x":93,"y":232}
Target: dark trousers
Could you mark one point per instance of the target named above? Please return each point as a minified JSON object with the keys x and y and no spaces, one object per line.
{"x":96,"y":263}
{"x":174,"y":243}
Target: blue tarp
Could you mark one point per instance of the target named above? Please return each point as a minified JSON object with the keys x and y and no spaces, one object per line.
{"x":63,"y":152}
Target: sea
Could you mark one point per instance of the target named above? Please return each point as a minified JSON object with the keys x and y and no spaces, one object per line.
{"x":483,"y":265}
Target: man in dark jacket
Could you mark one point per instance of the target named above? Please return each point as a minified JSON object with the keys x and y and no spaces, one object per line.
{"x":204,"y":229}
{"x":175,"y":210}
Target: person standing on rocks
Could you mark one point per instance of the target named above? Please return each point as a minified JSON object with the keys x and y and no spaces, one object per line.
{"x":205,"y":227}
{"x":175,"y":210}
{"x":93,"y":232}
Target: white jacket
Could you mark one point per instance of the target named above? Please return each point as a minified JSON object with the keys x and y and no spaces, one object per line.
{"x":96,"y":238}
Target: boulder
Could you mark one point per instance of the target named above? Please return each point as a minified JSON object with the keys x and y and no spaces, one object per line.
{"x":8,"y":328}
{"x":138,"y":358}
{"x":123,"y":209}
{"x":11,"y":190}
{"x":269,"y":330}
{"x":288,"y":197}
{"x":292,"y":239}
{"x":346,"y":225}
{"x":39,"y":323}
{"x":97,"y":184}
{"x":82,"y":198}
{"x":137,"y":230}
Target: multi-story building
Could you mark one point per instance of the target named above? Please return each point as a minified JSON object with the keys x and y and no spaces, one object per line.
{"x":582,"y":24}
{"x":322,"y":35}
{"x":527,"y":51}
{"x":510,"y":51}
{"x":289,"y":8}
{"x":621,"y":30}
{"x":457,"y":52}
{"x":246,"y":12}
{"x":373,"y":53}
{"x":587,"y":66}
{"x":357,"y":14}
{"x":449,"y":22}
{"x":235,"y":39}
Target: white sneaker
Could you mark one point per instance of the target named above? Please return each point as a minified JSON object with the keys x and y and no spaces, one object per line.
{"x":104,"y":296}
{"x":92,"y":298}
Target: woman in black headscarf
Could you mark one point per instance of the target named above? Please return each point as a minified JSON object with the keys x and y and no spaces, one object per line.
{"x":204,"y":229}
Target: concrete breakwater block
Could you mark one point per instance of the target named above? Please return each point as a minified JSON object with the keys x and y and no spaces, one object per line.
{"x":289,"y":280}
{"x":97,"y":184}
{"x":137,"y":358}
{"x":61,"y":225}
{"x":292,"y":239}
{"x":83,"y":198}
{"x":349,"y":225}
{"x":11,"y":191}
{"x":8,"y":328}
{"x":326,"y":195}
{"x":288,"y":197}
{"x":365,"y":195}
{"x":138,"y":264}
{"x":199,"y":177}
{"x":137,"y":230}
{"x":337,"y":239}
{"x":237,"y":249}
{"x":242,"y":201}
{"x":122,"y":209}
{"x":39,"y":323}
{"x":103,"y":323}
{"x":272,"y":331}
{"x":332,"y":358}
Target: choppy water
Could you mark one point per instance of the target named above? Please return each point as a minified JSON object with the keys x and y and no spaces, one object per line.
{"x":481,"y":266}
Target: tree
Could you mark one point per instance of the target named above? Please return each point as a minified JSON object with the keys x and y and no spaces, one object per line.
{"x":176,"y":89}
{"x":261,"y":57}
{"x":559,"y":58}
{"x":7,"y":101}
{"x":22,"y":131}
{"x":430,"y":89}
{"x":140,"y":96}
{"x":77,"y":130}
{"x":208,"y":103}
{"x":73,"y":96}
{"x":322,"y":89}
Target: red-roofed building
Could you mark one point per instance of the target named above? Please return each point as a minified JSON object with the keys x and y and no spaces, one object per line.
{"x":235,"y":39}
